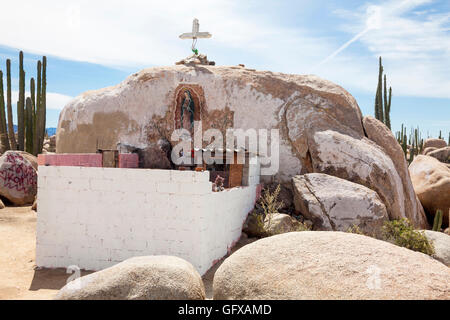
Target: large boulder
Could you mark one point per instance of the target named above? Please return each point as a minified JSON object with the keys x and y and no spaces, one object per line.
{"x":329,"y":265}
{"x":318,"y":122}
{"x":379,"y":133}
{"x":441,"y":243}
{"x":142,"y":109}
{"x":436,"y":143}
{"x":139,"y":278}
{"x":18,"y":177}
{"x":431,"y":181}
{"x":363,"y":162}
{"x":336,"y":204}
{"x":442,"y":154}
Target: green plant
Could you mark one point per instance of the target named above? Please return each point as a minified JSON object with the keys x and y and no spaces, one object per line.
{"x":437,"y":222}
{"x":269,"y":201}
{"x":30,"y":114}
{"x":402,"y":233}
{"x":355,"y":229}
{"x":382,"y":99}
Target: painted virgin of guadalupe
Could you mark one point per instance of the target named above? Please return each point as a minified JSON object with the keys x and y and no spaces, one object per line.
{"x":187,"y":111}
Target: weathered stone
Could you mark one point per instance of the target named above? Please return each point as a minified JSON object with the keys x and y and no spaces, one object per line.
{"x":277,"y":223}
{"x":2,"y":205}
{"x":363,"y":162}
{"x":441,"y":243}
{"x":305,"y":109}
{"x":428,"y":150}
{"x":18,"y":177}
{"x":329,"y":265}
{"x":379,"y":133}
{"x":336,"y":204}
{"x":142,"y":109}
{"x":431,"y":181}
{"x":194,"y":59}
{"x":32,"y":159}
{"x":442,"y":154}
{"x":437,"y":143}
{"x":139,"y":278}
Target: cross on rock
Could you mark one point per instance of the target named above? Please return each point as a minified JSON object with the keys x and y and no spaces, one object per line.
{"x":195,"y":34}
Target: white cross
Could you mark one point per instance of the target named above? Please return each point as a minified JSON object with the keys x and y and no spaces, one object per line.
{"x":195,"y":34}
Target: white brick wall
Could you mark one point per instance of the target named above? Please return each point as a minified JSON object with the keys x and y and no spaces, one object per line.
{"x":97,"y":217}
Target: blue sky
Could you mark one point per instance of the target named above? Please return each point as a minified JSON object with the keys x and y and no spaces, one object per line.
{"x":93,"y":44}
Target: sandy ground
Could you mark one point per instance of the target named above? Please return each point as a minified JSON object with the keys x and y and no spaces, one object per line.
{"x":19,"y":277}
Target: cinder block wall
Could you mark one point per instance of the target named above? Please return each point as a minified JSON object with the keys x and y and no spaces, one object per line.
{"x":97,"y":217}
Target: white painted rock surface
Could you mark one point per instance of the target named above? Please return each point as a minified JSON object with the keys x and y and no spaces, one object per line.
{"x":320,"y":123}
{"x":141,"y":109}
{"x":441,"y":242}
{"x":18,"y":178}
{"x":139,"y":278}
{"x":431,"y":181}
{"x":336,"y":204}
{"x":329,"y":265}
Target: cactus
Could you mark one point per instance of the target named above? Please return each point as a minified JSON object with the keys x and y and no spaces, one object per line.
{"x":31,"y":112}
{"x":437,"y":223}
{"x":382,"y":99}
{"x":21,"y":106}
{"x":12,"y":137}
{"x":29,"y":125}
{"x":3,"y":129}
{"x":42,"y":112}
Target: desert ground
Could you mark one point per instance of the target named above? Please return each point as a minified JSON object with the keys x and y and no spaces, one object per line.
{"x":19,"y":277}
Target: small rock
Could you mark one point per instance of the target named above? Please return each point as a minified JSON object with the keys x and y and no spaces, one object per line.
{"x":277,"y":223}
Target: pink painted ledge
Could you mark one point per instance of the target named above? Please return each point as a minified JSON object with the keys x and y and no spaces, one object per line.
{"x":126,"y":160}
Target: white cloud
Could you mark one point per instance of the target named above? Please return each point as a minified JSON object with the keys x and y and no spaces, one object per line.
{"x":54,"y":100}
{"x":415,"y":46}
{"x":135,"y":32}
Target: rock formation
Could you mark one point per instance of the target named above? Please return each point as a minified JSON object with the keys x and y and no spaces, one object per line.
{"x":329,"y":265}
{"x":320,"y":124}
{"x":139,"y":278}
{"x":441,"y":243}
{"x":18,"y":177}
{"x":436,"y":143}
{"x":431,"y":181}
{"x":336,"y":204}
